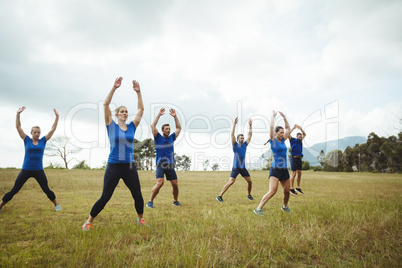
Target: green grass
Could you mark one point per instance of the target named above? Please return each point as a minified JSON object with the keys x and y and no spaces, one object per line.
{"x":343,"y":220}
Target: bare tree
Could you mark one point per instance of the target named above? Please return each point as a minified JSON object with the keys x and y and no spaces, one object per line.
{"x":61,"y":146}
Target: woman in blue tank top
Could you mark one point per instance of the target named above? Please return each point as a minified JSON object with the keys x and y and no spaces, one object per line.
{"x":278,"y":171}
{"x":121,"y":159}
{"x":33,"y":160}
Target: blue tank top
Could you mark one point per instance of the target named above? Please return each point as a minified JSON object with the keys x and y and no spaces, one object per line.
{"x":121,"y":143}
{"x":279,"y":151}
{"x":33,"y":159}
{"x":239,"y":160}
{"x":164,"y":148}
{"x":297,"y":147}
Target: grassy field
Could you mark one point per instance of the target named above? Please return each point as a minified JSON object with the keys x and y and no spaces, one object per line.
{"x":342,"y":220}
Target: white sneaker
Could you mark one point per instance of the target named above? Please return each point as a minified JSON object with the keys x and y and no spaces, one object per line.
{"x":57,"y":207}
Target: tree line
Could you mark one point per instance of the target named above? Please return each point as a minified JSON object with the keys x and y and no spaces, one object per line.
{"x":378,"y":154}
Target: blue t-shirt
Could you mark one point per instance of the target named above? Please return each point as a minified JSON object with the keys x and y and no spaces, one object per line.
{"x":33,"y":159}
{"x":164,"y":148}
{"x":297,"y":147}
{"x":279,"y":151}
{"x":121,"y":143}
{"x":239,"y":160}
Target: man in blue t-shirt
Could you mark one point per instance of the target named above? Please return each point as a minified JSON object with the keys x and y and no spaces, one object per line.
{"x":165,"y":157}
{"x":239,"y":164}
{"x":296,"y":159}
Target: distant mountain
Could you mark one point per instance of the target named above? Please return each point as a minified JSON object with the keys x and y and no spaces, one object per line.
{"x":311,"y":153}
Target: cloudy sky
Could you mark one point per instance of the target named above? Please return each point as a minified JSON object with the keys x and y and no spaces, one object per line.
{"x":334,"y":67}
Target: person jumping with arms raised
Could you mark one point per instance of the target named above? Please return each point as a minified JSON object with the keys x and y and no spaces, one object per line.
{"x":120,"y":163}
{"x":164,"y":145}
{"x":239,"y":162}
{"x":296,"y":159}
{"x":33,"y":161}
{"x":278,"y":172}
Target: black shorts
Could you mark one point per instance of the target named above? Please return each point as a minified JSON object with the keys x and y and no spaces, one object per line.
{"x":295,"y":163}
{"x":166,"y":169}
{"x":281,"y":173}
{"x":242,"y":171}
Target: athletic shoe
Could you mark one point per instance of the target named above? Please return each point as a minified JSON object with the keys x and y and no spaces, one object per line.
{"x":258,"y":212}
{"x":176,"y":203}
{"x":87,"y":226}
{"x":249,"y":197}
{"x":286,"y":209}
{"x":150,"y":204}
{"x":219,"y":198}
{"x":143,"y":222}
{"x":293,"y":192}
{"x":299,"y":190}
{"x":57,"y":207}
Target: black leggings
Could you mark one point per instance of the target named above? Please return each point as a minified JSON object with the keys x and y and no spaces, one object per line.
{"x":22,"y":178}
{"x":126,"y":171}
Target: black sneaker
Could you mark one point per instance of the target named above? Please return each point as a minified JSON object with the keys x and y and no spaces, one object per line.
{"x":249,"y":197}
{"x":299,"y":191}
{"x":293,"y":192}
{"x":219,"y":198}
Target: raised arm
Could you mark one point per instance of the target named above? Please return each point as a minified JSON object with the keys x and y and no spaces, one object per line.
{"x":272,"y":127}
{"x":294,"y":127}
{"x":18,"y":123}
{"x":140,"y":112}
{"x":53,"y":129}
{"x":302,"y":131}
{"x":108,"y":100}
{"x":250,"y":132}
{"x":176,"y":121}
{"x":232,"y":135}
{"x":287,"y":126}
{"x":153,"y":125}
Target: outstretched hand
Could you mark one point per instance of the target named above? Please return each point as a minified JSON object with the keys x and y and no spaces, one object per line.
{"x":250,"y":122}
{"x":117,"y":82}
{"x":55,"y":112}
{"x":236,"y":120}
{"x":136,"y":86}
{"x":162,"y":111}
{"x":172,"y":112}
{"x":281,"y":113}
{"x":274,"y":113}
{"x":21,"y":109}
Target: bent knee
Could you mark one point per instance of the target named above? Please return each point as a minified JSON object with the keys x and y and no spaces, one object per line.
{"x":272,"y":191}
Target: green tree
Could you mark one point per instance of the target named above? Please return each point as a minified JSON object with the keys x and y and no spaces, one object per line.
{"x":205,"y":164}
{"x":81,"y":165}
{"x":183,"y":162}
{"x":332,"y":161}
{"x":321,"y":158}
{"x":144,"y":154}
{"x":305,"y":165}
{"x":215,"y":167}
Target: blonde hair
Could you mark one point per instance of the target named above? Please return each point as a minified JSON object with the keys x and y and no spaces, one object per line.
{"x":117,"y":110}
{"x":34,"y":127}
